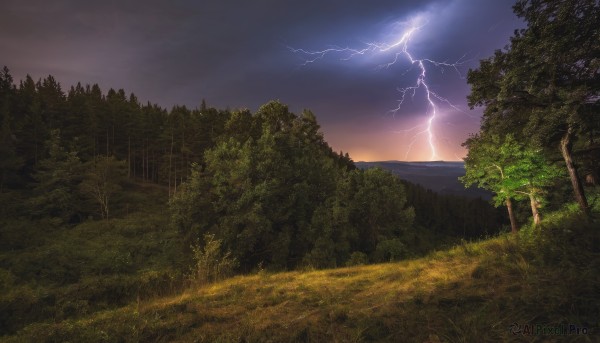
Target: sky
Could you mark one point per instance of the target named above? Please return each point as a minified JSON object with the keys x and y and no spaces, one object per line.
{"x":240,"y":54}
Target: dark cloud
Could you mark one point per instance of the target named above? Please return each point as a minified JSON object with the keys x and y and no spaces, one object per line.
{"x":234,"y":53}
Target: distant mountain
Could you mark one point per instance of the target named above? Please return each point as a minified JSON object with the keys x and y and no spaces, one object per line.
{"x":439,"y":176}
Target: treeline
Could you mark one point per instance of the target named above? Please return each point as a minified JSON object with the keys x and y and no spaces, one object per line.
{"x":274,"y":194}
{"x":450,"y":215}
{"x":157,"y":145}
{"x":265,"y":185}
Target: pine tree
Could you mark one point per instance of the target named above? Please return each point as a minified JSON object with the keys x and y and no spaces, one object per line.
{"x":58,"y":177}
{"x":10,"y":161}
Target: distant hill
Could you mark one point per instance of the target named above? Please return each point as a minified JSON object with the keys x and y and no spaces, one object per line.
{"x":439,"y":176}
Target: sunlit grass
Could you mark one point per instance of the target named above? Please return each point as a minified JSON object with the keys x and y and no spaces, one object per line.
{"x":471,"y":292}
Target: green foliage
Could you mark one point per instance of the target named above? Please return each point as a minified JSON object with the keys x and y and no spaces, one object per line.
{"x":378,"y":207}
{"x":258,"y":187}
{"x":53,"y":272}
{"x":262,"y":188}
{"x":443,"y":217}
{"x":323,"y":254}
{"x":276,"y":194}
{"x":543,"y":80}
{"x":366,"y":208}
{"x":158,"y":145}
{"x":475,"y":291}
{"x":211,"y":264}
{"x":102,"y":180}
{"x":543,"y":88}
{"x":485,"y":166}
{"x":508,"y":168}
{"x":357,"y":258}
{"x":390,"y":250}
{"x":10,"y":161}
{"x":58,"y":177}
{"x":565,"y":236}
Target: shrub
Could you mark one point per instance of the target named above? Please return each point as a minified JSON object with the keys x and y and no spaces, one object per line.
{"x":390,"y":250}
{"x":210,"y":263}
{"x":357,"y":259}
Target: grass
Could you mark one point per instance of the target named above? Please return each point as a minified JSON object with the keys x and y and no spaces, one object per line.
{"x":121,"y":281}
{"x":51,"y":272}
{"x":472,"y":292}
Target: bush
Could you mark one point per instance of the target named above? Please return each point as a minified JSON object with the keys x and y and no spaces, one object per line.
{"x":390,"y":250}
{"x":322,"y":255}
{"x":357,"y":259}
{"x":210,"y":263}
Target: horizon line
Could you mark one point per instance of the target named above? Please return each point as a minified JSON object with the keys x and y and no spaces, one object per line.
{"x":409,"y":161}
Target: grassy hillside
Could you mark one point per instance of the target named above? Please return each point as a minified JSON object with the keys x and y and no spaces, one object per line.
{"x":51,"y":271}
{"x":473,"y":292}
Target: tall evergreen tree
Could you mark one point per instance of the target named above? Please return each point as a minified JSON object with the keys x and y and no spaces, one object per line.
{"x":10,"y":162}
{"x":57,"y":179}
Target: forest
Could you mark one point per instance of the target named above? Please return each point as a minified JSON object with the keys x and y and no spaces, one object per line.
{"x":265,"y":187}
{"x":107,"y":203}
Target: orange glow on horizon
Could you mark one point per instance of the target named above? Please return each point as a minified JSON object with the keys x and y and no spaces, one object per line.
{"x":379,"y":138}
{"x":368,"y":157}
{"x":387,"y":146}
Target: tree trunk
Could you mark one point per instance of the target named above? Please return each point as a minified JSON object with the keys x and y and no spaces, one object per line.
{"x":565,"y":148}
{"x":113,"y":140}
{"x":513,"y":222}
{"x":35,"y":156}
{"x":129,"y":157}
{"x":105,"y":206}
{"x":153,"y":175}
{"x":147,"y":160}
{"x":534,"y":210}
{"x":144,"y":160}
{"x":170,"y":163}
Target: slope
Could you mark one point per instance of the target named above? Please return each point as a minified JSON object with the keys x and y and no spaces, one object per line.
{"x":486,"y":291}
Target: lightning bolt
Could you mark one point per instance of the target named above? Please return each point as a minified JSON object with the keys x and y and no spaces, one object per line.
{"x":401,"y":49}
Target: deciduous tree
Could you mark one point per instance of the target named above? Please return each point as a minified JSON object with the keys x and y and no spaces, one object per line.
{"x":102,"y":180}
{"x":543,"y":84}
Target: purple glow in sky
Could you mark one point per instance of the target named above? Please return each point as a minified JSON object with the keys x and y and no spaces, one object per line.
{"x":399,"y":49}
{"x":234,"y":54}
